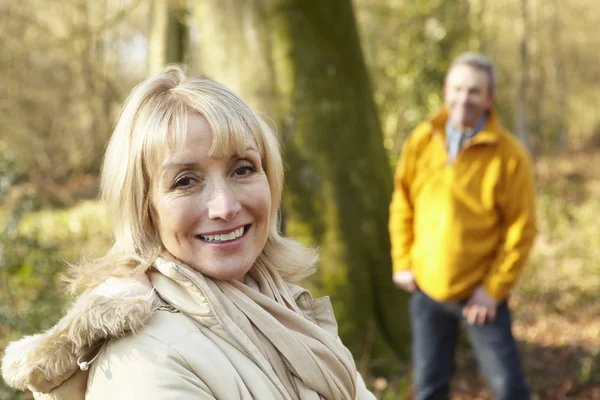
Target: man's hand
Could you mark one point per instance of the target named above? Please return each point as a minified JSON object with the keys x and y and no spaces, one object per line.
{"x":480,"y":308}
{"x":405,"y":280}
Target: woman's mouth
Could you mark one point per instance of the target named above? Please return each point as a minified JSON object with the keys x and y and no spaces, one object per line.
{"x":225,"y":237}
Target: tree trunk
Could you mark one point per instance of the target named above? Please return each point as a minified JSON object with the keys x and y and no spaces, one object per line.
{"x":158,"y":34}
{"x":521,"y":123}
{"x":235,"y":48}
{"x":562,"y":138}
{"x":168,"y":34}
{"x":478,"y":37}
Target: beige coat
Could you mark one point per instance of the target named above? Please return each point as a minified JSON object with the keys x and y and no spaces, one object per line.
{"x":137,"y":346}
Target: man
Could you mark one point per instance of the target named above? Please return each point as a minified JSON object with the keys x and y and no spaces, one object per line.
{"x":462,"y":222}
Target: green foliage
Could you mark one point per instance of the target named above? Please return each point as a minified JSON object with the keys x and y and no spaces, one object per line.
{"x":34,"y":245}
{"x":29,"y":292}
{"x":84,"y":226}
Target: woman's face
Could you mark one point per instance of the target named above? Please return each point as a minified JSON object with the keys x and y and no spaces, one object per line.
{"x":213,"y":213}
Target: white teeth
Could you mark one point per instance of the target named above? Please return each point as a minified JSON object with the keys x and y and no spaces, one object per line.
{"x":224,"y":237}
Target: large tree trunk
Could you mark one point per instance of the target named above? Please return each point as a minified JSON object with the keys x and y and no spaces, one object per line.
{"x":301,"y":62}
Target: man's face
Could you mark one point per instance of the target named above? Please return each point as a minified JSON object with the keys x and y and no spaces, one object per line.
{"x":467,"y":95}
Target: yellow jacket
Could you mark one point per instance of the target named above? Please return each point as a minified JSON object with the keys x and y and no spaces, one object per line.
{"x":469,"y":223}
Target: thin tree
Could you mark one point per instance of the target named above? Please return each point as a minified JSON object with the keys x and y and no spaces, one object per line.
{"x":521,"y":121}
{"x":168,"y":34}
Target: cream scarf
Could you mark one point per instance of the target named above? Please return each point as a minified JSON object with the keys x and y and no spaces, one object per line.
{"x":304,"y":360}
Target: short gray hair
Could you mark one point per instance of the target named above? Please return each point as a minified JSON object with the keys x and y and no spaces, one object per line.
{"x":478,"y":61}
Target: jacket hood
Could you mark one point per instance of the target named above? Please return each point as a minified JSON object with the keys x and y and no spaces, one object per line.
{"x":114,"y":309}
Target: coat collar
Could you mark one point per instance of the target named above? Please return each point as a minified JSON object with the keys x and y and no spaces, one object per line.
{"x":169,"y":277}
{"x":489,"y":134}
{"x":114,"y":309}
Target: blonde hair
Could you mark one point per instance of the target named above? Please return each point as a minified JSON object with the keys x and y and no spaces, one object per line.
{"x":154,"y":118}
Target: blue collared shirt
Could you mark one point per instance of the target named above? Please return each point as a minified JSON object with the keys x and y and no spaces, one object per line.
{"x":455,"y":139}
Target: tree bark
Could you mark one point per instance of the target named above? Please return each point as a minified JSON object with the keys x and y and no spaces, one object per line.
{"x":562,"y":138}
{"x":168,"y":34}
{"x":158,"y":33}
{"x":235,"y":46}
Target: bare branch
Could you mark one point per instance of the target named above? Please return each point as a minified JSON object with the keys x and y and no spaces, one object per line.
{"x":84,"y":33}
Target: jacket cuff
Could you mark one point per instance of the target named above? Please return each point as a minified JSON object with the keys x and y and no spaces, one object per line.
{"x":495,"y":292}
{"x":403,"y":265}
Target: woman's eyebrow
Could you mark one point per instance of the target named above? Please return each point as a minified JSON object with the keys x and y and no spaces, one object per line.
{"x":178,"y":165}
{"x":249,"y":148}
{"x":173,"y":165}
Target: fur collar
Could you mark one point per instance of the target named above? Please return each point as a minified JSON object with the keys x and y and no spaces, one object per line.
{"x":114,"y":309}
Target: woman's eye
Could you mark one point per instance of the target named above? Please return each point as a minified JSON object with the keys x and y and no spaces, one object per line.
{"x":244,"y":170}
{"x":183,"y":182}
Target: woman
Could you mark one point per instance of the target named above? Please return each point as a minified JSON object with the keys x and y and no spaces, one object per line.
{"x":193,"y":300}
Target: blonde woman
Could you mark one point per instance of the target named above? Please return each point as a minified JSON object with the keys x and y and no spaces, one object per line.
{"x":194,"y":301}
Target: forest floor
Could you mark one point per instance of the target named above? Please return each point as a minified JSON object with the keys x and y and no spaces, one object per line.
{"x":556,"y":306}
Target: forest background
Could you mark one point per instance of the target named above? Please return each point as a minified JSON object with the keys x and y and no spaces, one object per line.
{"x":343,"y":82}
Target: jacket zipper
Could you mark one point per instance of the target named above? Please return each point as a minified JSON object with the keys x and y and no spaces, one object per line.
{"x":168,"y":307}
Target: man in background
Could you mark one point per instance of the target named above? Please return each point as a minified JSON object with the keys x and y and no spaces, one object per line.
{"x":462,"y":223}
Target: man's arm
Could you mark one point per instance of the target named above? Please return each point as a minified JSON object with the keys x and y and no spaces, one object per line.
{"x":401,"y":220}
{"x":519,"y":218}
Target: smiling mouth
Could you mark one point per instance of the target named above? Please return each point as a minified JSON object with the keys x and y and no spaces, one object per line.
{"x":225,"y":237}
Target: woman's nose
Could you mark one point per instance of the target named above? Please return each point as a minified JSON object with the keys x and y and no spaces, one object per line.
{"x":223,"y":203}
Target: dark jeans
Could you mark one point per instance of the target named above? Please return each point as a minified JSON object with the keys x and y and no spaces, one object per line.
{"x":435,"y":328}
